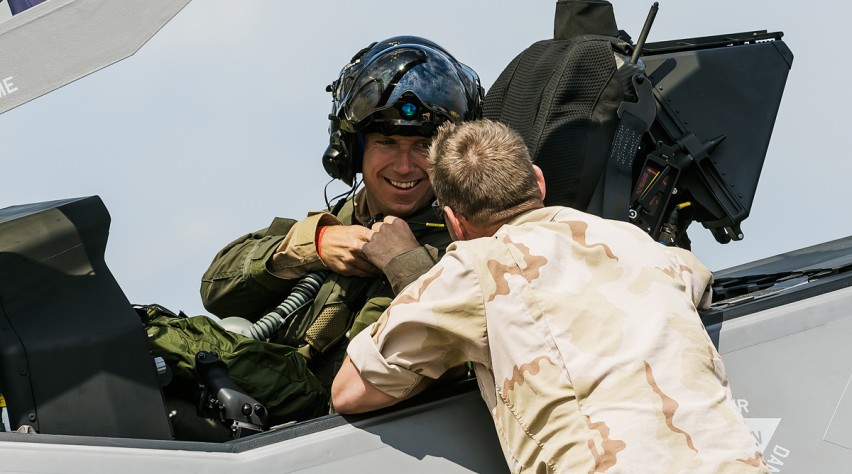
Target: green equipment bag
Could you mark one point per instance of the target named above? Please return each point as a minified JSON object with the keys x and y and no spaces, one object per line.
{"x":273,"y":374}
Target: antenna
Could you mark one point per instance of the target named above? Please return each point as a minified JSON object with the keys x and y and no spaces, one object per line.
{"x":640,"y":43}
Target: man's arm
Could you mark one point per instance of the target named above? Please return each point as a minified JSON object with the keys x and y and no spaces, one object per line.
{"x":697,"y":277}
{"x":351,"y":393}
{"x":394,"y":249}
{"x":435,"y":325}
{"x":237,"y":283}
{"x":257,"y":271}
{"x":340,"y":248}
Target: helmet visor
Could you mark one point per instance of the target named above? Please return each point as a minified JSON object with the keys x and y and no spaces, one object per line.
{"x":376,"y":95}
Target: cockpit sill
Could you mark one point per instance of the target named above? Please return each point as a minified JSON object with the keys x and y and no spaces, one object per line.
{"x":447,"y":429}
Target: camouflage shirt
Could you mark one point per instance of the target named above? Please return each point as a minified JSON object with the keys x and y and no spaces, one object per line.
{"x":587,"y":345}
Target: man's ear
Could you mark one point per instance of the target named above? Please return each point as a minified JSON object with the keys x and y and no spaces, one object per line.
{"x":539,"y":177}
{"x":454,"y":224}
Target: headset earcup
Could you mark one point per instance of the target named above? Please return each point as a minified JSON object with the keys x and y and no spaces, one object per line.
{"x":338,"y":159}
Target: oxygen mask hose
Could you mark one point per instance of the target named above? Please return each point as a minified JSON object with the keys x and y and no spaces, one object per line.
{"x":303,"y":293}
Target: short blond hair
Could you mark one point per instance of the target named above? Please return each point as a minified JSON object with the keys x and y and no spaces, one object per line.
{"x":482,"y":170}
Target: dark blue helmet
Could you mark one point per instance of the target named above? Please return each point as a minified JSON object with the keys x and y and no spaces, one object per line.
{"x":404,"y":85}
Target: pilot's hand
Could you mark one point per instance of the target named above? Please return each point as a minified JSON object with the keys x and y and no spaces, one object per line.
{"x":390,"y":238}
{"x":341,"y":250}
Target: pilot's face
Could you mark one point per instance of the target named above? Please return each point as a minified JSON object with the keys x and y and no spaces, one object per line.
{"x":394,"y":172}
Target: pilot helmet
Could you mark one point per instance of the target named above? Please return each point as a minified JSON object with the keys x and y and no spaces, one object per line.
{"x":403,"y":85}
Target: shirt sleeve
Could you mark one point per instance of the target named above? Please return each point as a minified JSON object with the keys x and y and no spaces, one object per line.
{"x":701,"y":278}
{"x":255,"y":272}
{"x":435,"y":324}
{"x":409,"y":266}
{"x":237,"y":282}
{"x":297,"y":255}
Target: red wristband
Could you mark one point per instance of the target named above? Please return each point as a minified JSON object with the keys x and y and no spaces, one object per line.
{"x":318,"y":238}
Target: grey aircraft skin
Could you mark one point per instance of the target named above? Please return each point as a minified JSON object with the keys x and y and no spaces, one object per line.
{"x":82,"y":403}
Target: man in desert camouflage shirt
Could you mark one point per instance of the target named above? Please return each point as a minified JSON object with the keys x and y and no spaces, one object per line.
{"x":584,"y":332}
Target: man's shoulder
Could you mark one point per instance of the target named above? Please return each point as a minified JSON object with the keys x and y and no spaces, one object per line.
{"x":581,"y":224}
{"x":535,"y":224}
{"x":484,"y":252}
{"x":544,"y":226}
{"x":542,"y":214}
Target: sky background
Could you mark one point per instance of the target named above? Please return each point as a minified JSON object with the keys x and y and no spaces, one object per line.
{"x":218,"y":123}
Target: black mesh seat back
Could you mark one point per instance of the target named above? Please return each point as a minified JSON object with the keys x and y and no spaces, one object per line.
{"x":562,"y":97}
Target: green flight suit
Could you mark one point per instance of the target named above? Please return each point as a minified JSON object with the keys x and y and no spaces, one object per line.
{"x":256,"y":272}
